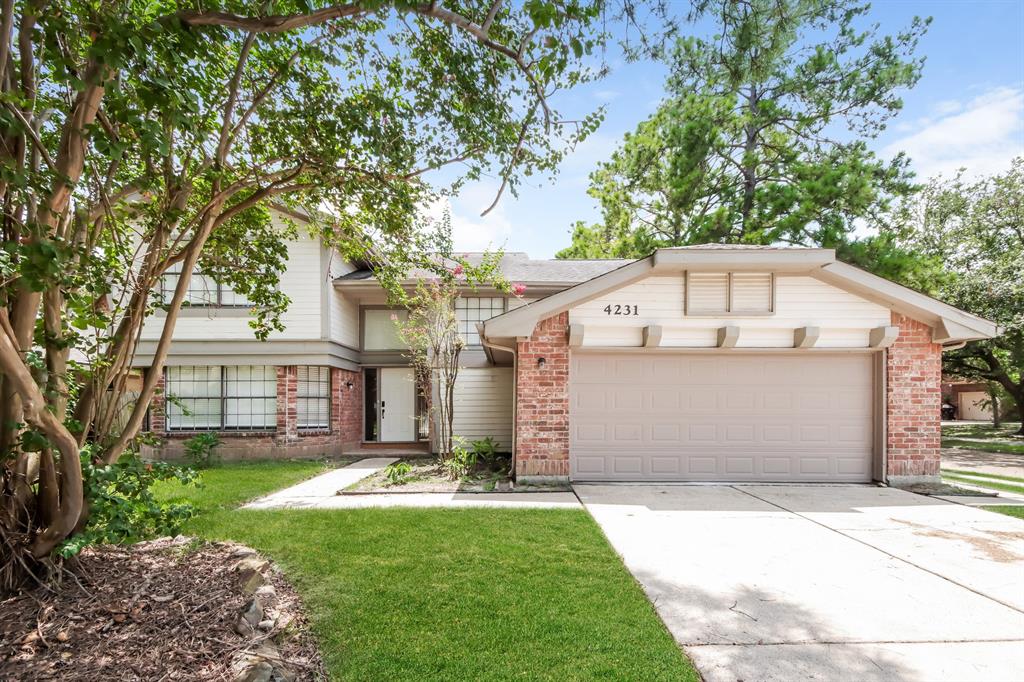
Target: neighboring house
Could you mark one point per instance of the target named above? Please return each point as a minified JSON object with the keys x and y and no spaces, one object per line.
{"x":970,"y":399}
{"x":701,"y":363}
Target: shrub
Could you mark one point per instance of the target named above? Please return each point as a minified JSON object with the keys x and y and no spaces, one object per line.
{"x":461,"y":460}
{"x":199,"y":450}
{"x":486,"y":449}
{"x":397,"y":472}
{"x":121,"y":504}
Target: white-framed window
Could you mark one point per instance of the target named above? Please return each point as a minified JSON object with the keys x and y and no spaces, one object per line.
{"x":214,"y":398}
{"x":203,"y":290}
{"x":730,"y":293}
{"x":381,"y":328}
{"x":472,"y":309}
{"x":313,"y":398}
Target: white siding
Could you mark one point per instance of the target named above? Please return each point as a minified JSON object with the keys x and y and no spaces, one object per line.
{"x":483,"y":405}
{"x":844,"y":318}
{"x":344,"y":311}
{"x":302,"y":281}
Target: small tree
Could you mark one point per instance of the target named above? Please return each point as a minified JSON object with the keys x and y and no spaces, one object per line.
{"x":432,"y":334}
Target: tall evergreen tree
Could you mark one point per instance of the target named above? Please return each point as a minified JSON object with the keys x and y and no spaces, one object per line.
{"x":761,"y":136}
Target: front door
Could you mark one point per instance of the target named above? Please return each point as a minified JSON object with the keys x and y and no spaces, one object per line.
{"x":397,"y":405}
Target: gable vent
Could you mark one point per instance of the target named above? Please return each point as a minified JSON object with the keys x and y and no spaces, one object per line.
{"x":751,"y":292}
{"x":707,"y":292}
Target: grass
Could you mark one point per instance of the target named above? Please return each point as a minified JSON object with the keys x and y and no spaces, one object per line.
{"x":1009,"y":510}
{"x":965,"y":472}
{"x":981,"y":481}
{"x":1007,"y":448}
{"x":980,"y":430}
{"x":231,"y":484}
{"x":450,"y":594}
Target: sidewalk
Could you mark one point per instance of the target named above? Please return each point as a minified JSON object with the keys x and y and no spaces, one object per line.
{"x":322,"y":493}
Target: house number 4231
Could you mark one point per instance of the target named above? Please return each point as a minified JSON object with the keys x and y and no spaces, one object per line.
{"x":622,"y":310}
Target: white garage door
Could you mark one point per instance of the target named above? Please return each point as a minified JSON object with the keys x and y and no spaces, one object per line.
{"x":704,"y":417}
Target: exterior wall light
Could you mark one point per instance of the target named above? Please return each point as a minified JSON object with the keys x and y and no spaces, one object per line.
{"x":541,"y":362}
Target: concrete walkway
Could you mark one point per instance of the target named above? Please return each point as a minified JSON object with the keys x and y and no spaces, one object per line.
{"x":802,"y":582}
{"x":322,"y":493}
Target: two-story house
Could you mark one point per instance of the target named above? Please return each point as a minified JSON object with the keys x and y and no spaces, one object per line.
{"x":710,"y":363}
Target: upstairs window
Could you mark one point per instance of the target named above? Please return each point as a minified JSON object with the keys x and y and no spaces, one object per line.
{"x":475,"y":309}
{"x":730,"y":293}
{"x":203,"y":290}
{"x":313,"y":398}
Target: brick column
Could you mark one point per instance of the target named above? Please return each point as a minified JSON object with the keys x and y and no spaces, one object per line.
{"x":287,"y":405}
{"x":158,"y":407}
{"x":347,"y":406}
{"x":542,"y":401}
{"x":913,"y":396}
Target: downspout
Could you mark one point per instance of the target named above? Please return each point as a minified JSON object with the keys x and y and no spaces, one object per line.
{"x":515,"y":384}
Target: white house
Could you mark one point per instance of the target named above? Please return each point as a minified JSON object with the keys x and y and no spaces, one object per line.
{"x":696,"y":363}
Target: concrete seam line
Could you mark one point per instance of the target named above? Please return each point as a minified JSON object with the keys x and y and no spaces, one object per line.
{"x":878,"y":549}
{"x":857,"y":642}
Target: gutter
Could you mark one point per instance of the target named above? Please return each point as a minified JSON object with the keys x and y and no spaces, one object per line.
{"x":515,"y":381}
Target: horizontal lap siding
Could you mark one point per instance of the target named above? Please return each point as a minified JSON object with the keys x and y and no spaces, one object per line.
{"x":844,"y":318}
{"x":301,"y":281}
{"x":483,"y":405}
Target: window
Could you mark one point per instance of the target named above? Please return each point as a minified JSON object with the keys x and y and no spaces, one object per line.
{"x":203,"y":290}
{"x":239,"y":398}
{"x":734,"y":293}
{"x":380,"y":329}
{"x":313,"y":398}
{"x":469,"y":311}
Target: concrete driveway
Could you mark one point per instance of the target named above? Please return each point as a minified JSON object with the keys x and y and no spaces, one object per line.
{"x":802,"y":582}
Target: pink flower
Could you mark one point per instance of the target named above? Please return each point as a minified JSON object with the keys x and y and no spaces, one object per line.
{"x":458,"y":270}
{"x":518,"y":289}
{"x":394,"y":317}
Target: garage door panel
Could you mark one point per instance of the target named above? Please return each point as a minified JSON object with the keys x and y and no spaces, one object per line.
{"x":782,"y":424}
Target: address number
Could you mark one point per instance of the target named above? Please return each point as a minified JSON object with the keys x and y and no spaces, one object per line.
{"x":622,"y":310}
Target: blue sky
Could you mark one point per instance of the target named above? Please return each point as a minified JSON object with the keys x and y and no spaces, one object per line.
{"x":967,"y":110}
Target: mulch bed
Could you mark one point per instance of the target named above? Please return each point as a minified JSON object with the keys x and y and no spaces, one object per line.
{"x":161,"y":610}
{"x":427,"y":476}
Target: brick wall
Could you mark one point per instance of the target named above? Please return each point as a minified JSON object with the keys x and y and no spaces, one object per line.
{"x":542,"y":400}
{"x":157,"y":407}
{"x":287,"y":441}
{"x":913,"y":398}
{"x":347,"y":406}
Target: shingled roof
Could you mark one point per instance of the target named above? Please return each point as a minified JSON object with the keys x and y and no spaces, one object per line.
{"x":519,"y":267}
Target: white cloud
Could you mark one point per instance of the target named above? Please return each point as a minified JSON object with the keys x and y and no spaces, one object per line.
{"x":981,"y":135}
{"x":470,"y":230}
{"x":605,"y":96}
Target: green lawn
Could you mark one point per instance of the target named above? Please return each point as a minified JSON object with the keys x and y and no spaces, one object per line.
{"x":231,"y":484}
{"x":1009,"y":510}
{"x":443,"y":594}
{"x":983,"y":481}
{"x":966,"y":472}
{"x":1009,"y":448}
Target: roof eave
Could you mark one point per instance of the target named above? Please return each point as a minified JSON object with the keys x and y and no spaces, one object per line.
{"x":949,"y":324}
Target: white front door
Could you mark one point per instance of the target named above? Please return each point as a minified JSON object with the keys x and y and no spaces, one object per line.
{"x":397,"y":405}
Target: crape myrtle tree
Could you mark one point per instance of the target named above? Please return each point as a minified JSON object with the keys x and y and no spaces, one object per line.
{"x":141,"y":138}
{"x":760,"y":137}
{"x":976,"y":227}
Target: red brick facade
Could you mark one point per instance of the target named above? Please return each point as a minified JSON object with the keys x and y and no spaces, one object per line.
{"x":287,"y":440}
{"x":542,"y":400}
{"x":913,"y":395}
{"x":347,"y":406}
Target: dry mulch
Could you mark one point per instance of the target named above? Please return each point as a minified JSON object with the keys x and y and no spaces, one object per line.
{"x":160,"y":610}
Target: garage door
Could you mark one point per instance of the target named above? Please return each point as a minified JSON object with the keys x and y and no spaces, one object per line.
{"x":716,"y":417}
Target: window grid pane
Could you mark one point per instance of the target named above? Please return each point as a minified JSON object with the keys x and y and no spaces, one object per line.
{"x":203,"y":290}
{"x":217,"y":398}
{"x":469,"y":311}
{"x":313,"y":398}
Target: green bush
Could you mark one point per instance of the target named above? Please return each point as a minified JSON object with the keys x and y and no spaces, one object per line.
{"x":461,"y":461}
{"x":121,"y":504}
{"x":397,"y":472}
{"x":486,"y":450}
{"x":199,"y":450}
